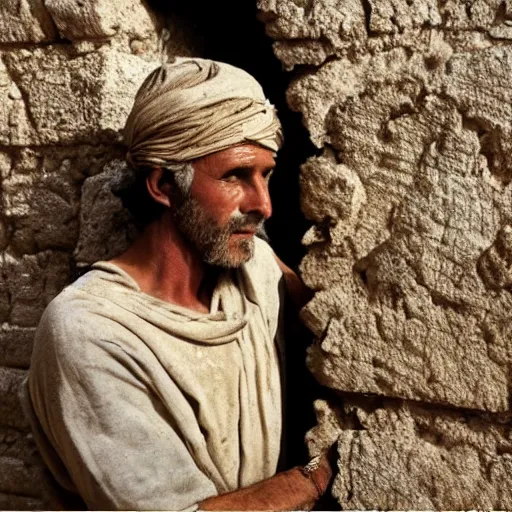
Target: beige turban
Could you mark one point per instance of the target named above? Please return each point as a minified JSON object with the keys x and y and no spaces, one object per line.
{"x":196,"y":107}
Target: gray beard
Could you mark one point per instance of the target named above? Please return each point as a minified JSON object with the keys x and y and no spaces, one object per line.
{"x":212,"y":241}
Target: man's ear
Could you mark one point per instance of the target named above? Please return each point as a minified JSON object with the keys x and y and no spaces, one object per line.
{"x":159,"y":186}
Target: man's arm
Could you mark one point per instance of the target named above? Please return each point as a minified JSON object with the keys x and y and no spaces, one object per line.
{"x":299,"y":292}
{"x":289,"y":490}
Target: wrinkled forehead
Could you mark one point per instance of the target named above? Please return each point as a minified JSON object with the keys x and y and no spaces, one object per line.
{"x":240,"y":156}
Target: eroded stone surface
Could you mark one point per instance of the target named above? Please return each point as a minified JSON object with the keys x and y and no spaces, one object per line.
{"x":106,"y":228}
{"x":41,"y":195}
{"x":411,"y":198}
{"x":103,"y":19}
{"x":11,"y":413}
{"x":60,"y":95}
{"x":16,"y":346}
{"x":26,"y":21}
{"x":19,"y":477}
{"x":396,"y":456}
{"x":31,"y":282}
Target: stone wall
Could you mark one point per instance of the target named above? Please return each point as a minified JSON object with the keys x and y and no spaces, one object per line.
{"x":410,"y":255}
{"x":68,"y":74}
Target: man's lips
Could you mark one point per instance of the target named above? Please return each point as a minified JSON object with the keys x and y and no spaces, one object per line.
{"x":248,"y":231}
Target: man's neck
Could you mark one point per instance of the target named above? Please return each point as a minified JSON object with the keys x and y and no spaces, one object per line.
{"x":166,"y":267}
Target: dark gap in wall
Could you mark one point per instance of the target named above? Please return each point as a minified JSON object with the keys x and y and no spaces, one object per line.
{"x":229,"y":31}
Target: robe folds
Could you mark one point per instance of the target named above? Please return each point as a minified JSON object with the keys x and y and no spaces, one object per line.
{"x":137,"y":403}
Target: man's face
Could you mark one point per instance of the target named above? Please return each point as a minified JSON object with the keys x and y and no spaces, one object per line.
{"x":227,"y":204}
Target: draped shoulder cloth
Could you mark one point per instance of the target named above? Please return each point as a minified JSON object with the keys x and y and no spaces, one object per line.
{"x":195,"y":107}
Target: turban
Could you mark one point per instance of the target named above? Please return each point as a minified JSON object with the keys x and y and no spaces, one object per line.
{"x":196,"y":107}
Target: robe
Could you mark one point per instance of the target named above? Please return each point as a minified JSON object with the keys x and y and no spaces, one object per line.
{"x":137,"y":403}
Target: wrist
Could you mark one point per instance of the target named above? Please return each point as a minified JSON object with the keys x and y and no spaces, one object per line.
{"x":313,"y":472}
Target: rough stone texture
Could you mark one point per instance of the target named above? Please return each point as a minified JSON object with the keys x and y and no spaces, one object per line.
{"x":15,"y":347}
{"x":11,"y":414}
{"x":26,"y":21}
{"x":106,"y":228}
{"x":101,"y":19}
{"x":410,"y":252}
{"x":67,"y":94}
{"x":405,"y":457}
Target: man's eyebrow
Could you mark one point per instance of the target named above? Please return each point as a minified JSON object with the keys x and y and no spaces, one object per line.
{"x":248,"y":168}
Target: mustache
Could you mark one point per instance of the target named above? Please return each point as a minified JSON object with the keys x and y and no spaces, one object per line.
{"x":247,"y":220}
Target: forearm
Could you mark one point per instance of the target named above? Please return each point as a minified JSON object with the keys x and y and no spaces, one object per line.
{"x":298,"y":291}
{"x":290,"y":490}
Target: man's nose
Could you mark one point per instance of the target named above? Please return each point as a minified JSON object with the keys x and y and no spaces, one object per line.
{"x":257,"y":198}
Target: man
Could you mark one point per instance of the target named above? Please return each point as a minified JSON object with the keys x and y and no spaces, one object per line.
{"x":155,"y":379}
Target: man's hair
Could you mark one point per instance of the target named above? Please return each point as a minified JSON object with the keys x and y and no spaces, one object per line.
{"x":133,"y":192}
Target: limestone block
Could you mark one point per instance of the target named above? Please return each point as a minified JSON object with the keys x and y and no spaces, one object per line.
{"x":11,"y":412}
{"x":32,"y":281}
{"x":402,"y":457}
{"x":58,"y":95}
{"x":391,"y":16}
{"x":487,"y":15}
{"x":15,"y":346}
{"x":26,"y":21}
{"x":106,"y":228}
{"x":102,"y":19}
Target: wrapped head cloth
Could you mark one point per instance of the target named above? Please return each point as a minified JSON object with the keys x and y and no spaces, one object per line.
{"x":196,"y":107}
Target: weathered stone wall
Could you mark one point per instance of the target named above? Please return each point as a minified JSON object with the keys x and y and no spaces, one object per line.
{"x":68,"y":74}
{"x":409,"y":103}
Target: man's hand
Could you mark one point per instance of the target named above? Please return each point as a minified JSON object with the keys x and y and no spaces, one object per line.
{"x":290,"y":490}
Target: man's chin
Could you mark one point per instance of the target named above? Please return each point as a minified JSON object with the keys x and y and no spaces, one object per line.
{"x":239,"y":250}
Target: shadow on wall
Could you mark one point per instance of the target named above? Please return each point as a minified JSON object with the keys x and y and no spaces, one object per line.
{"x":229,"y":31}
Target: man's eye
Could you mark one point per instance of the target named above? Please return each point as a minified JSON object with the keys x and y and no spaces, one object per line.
{"x":231,"y":177}
{"x":268,"y":175}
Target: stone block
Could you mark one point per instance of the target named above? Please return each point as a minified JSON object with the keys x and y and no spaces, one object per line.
{"x":16,"y":346}
{"x":396,"y":456}
{"x":32,"y":281}
{"x":41,"y":195}
{"x":404,"y":291}
{"x":11,"y":412}
{"x":100,"y":19}
{"x":26,"y":21}
{"x":58,"y":95}
{"x":106,"y":228}
{"x":395,"y":16}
